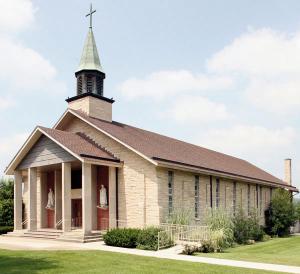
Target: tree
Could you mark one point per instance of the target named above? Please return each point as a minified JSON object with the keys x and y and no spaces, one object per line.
{"x":6,"y":202}
{"x":281,"y":214}
{"x":297,"y":206}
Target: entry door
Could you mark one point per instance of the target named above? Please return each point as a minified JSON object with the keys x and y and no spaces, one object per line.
{"x":50,"y":213}
{"x":77,"y":213}
{"x":102,"y":214}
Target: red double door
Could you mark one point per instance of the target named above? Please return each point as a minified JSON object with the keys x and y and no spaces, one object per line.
{"x":102,"y":214}
{"x":50,"y":213}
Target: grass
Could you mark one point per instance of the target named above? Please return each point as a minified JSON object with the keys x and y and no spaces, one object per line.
{"x":277,"y":251}
{"x":101,"y":262}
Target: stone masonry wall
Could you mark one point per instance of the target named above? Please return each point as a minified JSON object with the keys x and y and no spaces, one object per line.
{"x":138,"y":188}
{"x":184,"y":194}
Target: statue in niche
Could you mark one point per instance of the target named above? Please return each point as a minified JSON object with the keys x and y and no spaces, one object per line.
{"x":103,"y":197}
{"x":50,"y":203}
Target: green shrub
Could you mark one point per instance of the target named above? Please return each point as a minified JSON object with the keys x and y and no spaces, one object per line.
{"x":6,"y":202}
{"x":122,"y":237}
{"x":191,"y":248}
{"x":219,"y":222}
{"x":281,"y":214}
{"x":247,"y":227}
{"x":5,"y":229}
{"x":148,"y":238}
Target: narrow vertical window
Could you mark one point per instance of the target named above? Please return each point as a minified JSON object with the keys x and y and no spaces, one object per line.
{"x":217,"y":193}
{"x":271,"y":193}
{"x":211,"y":191}
{"x":234,"y":198}
{"x":248,"y":199}
{"x":197,"y":198}
{"x":260,"y":200}
{"x":257,"y":196}
{"x":206,"y":195}
{"x":170,"y":191}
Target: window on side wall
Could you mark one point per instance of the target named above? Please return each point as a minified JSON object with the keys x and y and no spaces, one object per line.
{"x":197,"y":198}
{"x":170,"y":191}
{"x":234,"y":198}
{"x":217,"y":193}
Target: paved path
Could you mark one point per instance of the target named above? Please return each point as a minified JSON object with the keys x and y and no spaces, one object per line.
{"x":16,"y":243}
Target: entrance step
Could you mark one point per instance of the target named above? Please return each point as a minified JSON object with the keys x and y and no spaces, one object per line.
{"x":43,"y":234}
{"x":75,"y":236}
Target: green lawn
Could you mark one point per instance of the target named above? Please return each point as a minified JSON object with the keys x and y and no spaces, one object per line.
{"x":100,"y":262}
{"x":277,"y":251}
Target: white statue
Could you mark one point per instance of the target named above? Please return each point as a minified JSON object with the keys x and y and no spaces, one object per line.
{"x":50,"y":204}
{"x":103,"y":197}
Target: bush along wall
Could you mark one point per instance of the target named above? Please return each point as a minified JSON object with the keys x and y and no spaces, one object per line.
{"x":146,"y":239}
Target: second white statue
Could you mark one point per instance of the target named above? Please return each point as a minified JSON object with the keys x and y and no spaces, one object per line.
{"x":103,"y":197}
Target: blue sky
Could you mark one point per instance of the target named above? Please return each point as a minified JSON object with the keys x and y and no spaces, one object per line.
{"x":222,"y":74}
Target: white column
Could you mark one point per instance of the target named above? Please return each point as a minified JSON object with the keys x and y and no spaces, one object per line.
{"x":112,"y":197}
{"x":32,"y":201}
{"x":94,"y":198}
{"x":43,"y":199}
{"x":18,"y":200}
{"x":58,"y":196}
{"x":66,"y":196}
{"x":86,"y":198}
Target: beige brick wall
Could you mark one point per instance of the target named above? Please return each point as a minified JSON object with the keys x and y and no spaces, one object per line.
{"x":184,"y":195}
{"x":138,"y":188}
{"x":93,"y":107}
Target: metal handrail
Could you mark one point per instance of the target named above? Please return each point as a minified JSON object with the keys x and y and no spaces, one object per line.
{"x":58,"y":223}
{"x":25,"y":222}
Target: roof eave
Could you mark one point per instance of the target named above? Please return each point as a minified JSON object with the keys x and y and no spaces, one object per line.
{"x":207,"y":171}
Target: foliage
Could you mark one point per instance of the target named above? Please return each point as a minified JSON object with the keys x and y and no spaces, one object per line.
{"x":122,"y":237}
{"x":297,"y":210}
{"x":220,"y":222}
{"x":148,"y":238}
{"x":191,"y":248}
{"x":281,"y":214}
{"x":6,"y":202}
{"x":5,"y":229}
{"x":247,"y":227}
{"x":180,"y":216}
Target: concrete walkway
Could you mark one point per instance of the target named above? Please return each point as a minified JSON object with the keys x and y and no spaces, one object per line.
{"x":17,"y":243}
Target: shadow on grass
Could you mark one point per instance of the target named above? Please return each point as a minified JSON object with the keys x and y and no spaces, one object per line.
{"x":15,"y":263}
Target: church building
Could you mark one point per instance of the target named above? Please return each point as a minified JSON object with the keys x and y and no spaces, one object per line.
{"x":89,"y":173}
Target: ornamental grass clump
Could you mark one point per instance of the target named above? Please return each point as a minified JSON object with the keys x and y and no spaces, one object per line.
{"x":220,"y":223}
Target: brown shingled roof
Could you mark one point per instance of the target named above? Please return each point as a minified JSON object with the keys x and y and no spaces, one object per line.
{"x":79,"y":144}
{"x":163,"y":148}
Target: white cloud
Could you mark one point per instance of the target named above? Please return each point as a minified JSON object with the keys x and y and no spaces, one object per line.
{"x":247,"y":140}
{"x":16,"y":15}
{"x":9,"y":147}
{"x":22,"y":69}
{"x":269,"y":62}
{"x":6,"y":103}
{"x":197,"y":109}
{"x":161,"y":84}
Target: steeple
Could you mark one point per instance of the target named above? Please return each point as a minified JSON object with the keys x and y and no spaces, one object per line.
{"x":90,"y":75}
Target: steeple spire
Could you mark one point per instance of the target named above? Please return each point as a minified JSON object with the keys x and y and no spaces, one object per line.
{"x":90,"y":74}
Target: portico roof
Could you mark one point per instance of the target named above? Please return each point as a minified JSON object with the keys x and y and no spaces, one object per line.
{"x":77,"y":144}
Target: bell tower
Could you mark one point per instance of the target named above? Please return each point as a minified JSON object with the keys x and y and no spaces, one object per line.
{"x":90,"y":79}
{"x":90,"y":75}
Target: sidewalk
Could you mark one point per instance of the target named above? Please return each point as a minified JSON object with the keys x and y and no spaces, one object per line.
{"x":16,"y":243}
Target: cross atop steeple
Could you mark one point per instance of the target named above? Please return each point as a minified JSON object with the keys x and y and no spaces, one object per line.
{"x":91,"y":15}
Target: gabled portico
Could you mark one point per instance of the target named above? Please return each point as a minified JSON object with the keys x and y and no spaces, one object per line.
{"x":74,"y":168}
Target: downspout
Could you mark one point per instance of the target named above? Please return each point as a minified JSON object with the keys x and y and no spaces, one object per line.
{"x":211,"y":191}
